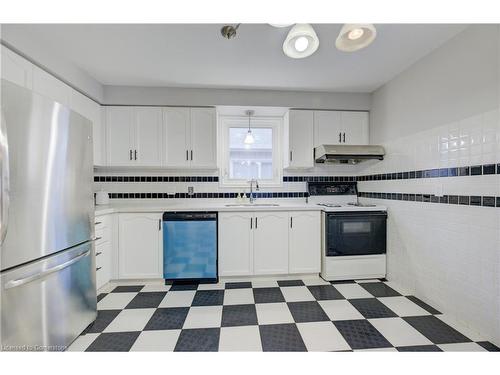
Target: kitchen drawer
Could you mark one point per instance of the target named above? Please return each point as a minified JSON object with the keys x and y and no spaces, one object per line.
{"x":101,"y":222}
{"x":103,"y":264}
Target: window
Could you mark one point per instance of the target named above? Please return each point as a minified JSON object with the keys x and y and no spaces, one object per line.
{"x":242,"y":162}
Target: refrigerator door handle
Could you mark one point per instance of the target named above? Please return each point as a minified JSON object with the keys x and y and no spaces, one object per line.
{"x":4,"y":165}
{"x":26,"y":280}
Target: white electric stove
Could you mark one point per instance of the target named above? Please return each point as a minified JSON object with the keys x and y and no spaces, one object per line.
{"x":353,"y":234}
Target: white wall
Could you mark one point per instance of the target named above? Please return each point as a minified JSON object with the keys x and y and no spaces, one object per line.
{"x":18,"y":39}
{"x":212,"y":97}
{"x":443,"y":112}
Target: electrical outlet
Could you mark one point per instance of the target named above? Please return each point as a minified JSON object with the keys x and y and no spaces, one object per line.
{"x":190,"y":190}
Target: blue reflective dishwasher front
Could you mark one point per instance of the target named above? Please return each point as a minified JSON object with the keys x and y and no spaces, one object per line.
{"x":190,"y":247}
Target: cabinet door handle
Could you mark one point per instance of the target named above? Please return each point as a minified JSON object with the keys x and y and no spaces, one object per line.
{"x":130,"y":155}
{"x":251,"y":223}
{"x":344,"y":137}
{"x":159,"y":224}
{"x":135,"y":154}
{"x":191,"y":154}
{"x":98,"y":268}
{"x":187,"y":155}
{"x":340,"y":137}
{"x":98,"y":222}
{"x":98,"y":253}
{"x":255,"y":223}
{"x":291,"y":222}
{"x":291,"y":155}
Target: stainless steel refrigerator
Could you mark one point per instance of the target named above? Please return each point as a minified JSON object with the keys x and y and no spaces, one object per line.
{"x":47,"y":262}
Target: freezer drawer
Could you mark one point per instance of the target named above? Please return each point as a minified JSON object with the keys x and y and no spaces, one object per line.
{"x":45,"y":305}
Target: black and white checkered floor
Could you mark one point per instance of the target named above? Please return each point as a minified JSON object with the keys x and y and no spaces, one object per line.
{"x":289,"y":315}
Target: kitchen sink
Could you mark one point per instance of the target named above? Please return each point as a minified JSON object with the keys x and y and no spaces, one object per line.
{"x":252,"y":205}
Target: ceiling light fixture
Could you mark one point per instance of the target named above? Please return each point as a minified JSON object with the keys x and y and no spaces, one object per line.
{"x":353,"y":37}
{"x":249,"y":138}
{"x":280,"y":25}
{"x":301,"y":41}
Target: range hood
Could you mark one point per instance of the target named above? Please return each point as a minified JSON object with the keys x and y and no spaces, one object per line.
{"x":345,"y":154}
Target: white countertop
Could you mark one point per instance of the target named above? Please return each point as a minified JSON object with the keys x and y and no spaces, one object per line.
{"x":210,"y":205}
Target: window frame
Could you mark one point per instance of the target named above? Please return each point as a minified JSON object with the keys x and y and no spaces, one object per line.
{"x":226,"y":122}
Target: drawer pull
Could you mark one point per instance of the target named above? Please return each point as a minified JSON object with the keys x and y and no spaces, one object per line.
{"x":98,"y":253}
{"x":98,"y":222}
{"x":98,"y":268}
{"x":97,"y":239}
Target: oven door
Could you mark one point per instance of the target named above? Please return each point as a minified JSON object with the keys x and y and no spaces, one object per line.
{"x":356,"y":233}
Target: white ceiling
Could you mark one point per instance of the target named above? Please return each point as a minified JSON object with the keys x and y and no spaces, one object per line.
{"x":196,"y":55}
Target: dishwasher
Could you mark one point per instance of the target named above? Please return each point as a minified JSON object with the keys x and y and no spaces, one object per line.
{"x":190,"y":247}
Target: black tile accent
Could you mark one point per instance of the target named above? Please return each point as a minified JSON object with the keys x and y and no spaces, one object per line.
{"x":268,"y":295}
{"x":475,"y":200}
{"x":325,"y":292}
{"x":476,"y":170}
{"x":453,"y":199}
{"x":238,"y":285}
{"x":127,"y":289}
{"x":489,"y":201}
{"x":435,"y":329}
{"x":379,"y":289}
{"x":463,"y":199}
{"x":361,"y":334}
{"x":423,"y":305}
{"x":463,"y":171}
{"x":290,"y":283}
{"x":198,"y":340}
{"x":208,"y":298}
{"x":489,"y":169}
{"x":281,"y":338}
{"x":100,"y":296}
{"x":307,"y":311}
{"x":419,"y":348}
{"x":372,"y":308}
{"x":239,"y":315}
{"x":104,"y":317}
{"x":145,"y":300}
{"x":167,"y":318}
{"x":113,"y":342}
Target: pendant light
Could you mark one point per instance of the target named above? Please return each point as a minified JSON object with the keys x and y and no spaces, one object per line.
{"x":353,"y":37}
{"x":301,"y":41}
{"x":249,"y":139}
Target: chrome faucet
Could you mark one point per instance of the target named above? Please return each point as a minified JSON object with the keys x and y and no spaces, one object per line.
{"x":252,"y":198}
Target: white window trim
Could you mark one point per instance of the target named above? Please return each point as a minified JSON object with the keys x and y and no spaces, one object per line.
{"x":224,"y":123}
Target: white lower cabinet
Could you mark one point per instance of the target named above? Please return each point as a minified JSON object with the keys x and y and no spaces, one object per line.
{"x":304,"y":242}
{"x":140,"y":246}
{"x":269,"y":243}
{"x":235,"y":244}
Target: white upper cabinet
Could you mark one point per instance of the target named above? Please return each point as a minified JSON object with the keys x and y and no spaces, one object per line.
{"x":340,"y":127}
{"x":327,"y":128}
{"x":48,"y":85}
{"x":203,"y":153}
{"x":16,"y":69}
{"x":133,"y":136}
{"x":305,"y":242}
{"x":189,"y":138}
{"x":148,"y":136}
{"x":355,"y":128}
{"x":120,"y":129}
{"x":299,"y":135}
{"x":176,"y":134}
{"x":271,"y":243}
